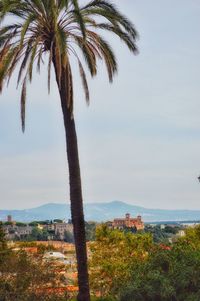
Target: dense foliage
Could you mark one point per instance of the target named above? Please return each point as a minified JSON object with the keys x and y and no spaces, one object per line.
{"x":26,"y":277}
{"x":134,"y":268}
{"x":167,"y":275}
{"x":159,"y":234}
{"x":114,"y":253}
{"x":90,"y":229}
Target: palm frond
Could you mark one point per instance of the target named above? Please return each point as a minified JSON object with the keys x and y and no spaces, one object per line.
{"x":84,"y":82}
{"x":23,"y":104}
{"x":49,"y":67}
{"x":24,"y":62}
{"x":79,"y":17}
{"x":61,"y":29}
{"x":109,"y":57}
{"x":58,"y":62}
{"x":88,"y":54}
{"x":109,"y":10}
{"x":5,"y":62}
{"x":121,"y":34}
{"x":39,"y":59}
{"x":25,"y":28}
{"x":63,"y":4}
{"x":32,"y":58}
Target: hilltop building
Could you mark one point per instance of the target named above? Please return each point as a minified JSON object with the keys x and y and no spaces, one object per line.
{"x":59,"y":229}
{"x":13,"y":231}
{"x":56,"y":230}
{"x":127,"y":222}
{"x":9,"y":218}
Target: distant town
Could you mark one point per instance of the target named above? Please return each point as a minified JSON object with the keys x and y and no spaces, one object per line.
{"x":47,"y":230}
{"x":62,"y":230}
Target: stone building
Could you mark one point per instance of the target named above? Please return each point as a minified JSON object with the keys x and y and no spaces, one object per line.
{"x":61,"y":228}
{"x":9,"y":218}
{"x":128,"y":222}
{"x":13,"y":231}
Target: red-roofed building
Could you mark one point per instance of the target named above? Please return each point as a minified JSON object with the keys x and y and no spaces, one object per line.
{"x":128,"y":222}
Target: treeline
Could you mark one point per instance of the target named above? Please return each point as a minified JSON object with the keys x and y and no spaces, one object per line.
{"x":164,"y":233}
{"x":34,"y":223}
{"x":130,"y":267}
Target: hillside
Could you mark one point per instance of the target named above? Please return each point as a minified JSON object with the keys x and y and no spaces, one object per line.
{"x":100,"y":212}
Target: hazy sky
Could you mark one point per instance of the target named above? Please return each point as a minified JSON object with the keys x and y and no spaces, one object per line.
{"x":140,"y":138}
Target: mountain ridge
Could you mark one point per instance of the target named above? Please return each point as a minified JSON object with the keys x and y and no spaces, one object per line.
{"x":100,"y":212}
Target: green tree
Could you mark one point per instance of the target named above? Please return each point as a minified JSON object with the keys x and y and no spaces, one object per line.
{"x":62,"y":29}
{"x":172,"y":230}
{"x":3,"y":244}
{"x":57,"y":221}
{"x":159,"y":235}
{"x":4,"y":252}
{"x":90,"y":228}
{"x":24,"y":278}
{"x":192,"y":237}
{"x":38,"y":234}
{"x":113,"y":254}
{"x":167,"y":275}
{"x":68,"y":237}
{"x":33,"y":224}
{"x":8,"y":223}
{"x":19,"y":224}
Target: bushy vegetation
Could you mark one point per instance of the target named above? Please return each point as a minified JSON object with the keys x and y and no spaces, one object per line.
{"x":26,"y":277}
{"x":123,"y":266}
{"x":166,"y":275}
{"x":113,"y":254}
{"x":134,"y":268}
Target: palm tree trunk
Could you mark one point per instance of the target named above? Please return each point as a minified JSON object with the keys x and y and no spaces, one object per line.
{"x":75,"y":191}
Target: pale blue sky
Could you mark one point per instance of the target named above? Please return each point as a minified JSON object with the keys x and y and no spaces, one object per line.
{"x":140,"y":138}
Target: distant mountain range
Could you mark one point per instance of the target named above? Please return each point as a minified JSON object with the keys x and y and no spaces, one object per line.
{"x":100,"y":212}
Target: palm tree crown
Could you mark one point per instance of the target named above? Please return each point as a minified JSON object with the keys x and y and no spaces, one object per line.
{"x":62,"y":29}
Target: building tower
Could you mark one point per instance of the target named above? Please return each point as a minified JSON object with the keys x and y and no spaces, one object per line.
{"x":9,"y":218}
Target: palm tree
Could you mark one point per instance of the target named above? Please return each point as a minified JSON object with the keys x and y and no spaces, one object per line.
{"x":62,"y":29}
